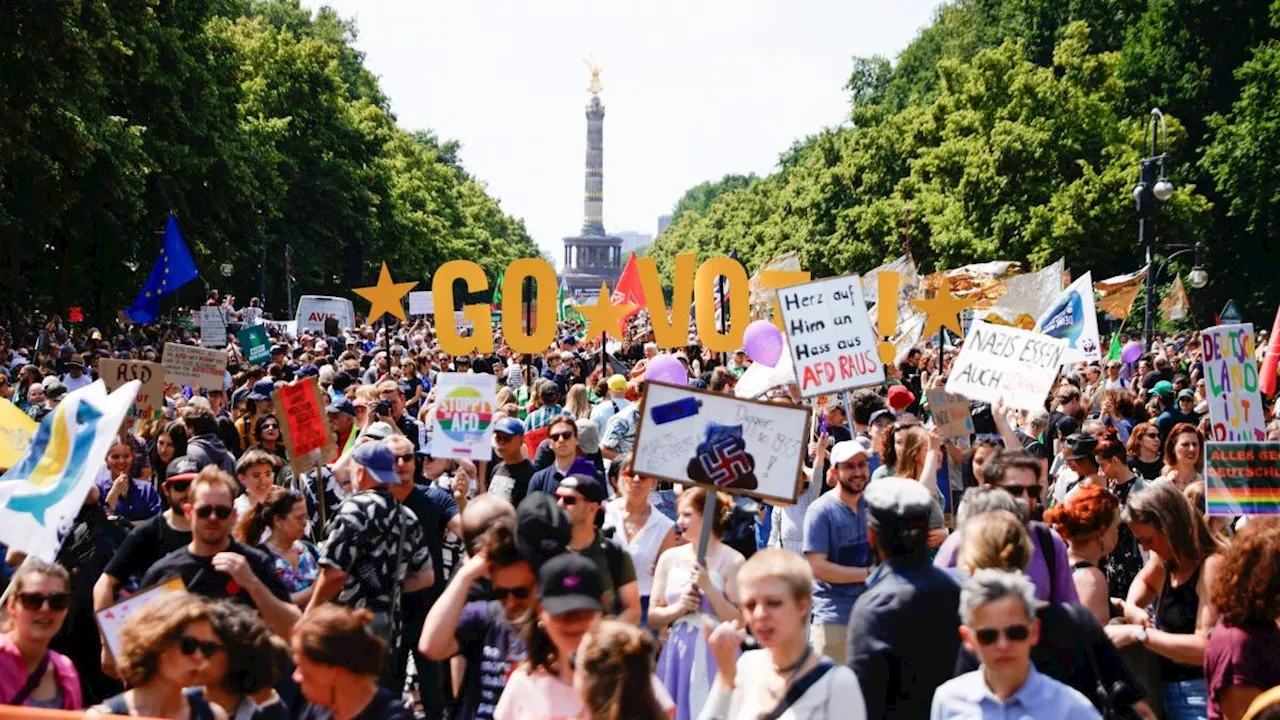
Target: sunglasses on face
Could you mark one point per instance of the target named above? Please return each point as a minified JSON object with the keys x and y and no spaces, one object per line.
{"x":521,"y":593}
{"x":406,"y":458}
{"x":560,"y":436}
{"x":178,"y":485}
{"x":1015,"y":633}
{"x":222,"y":511}
{"x":567,"y":500}
{"x":270,"y":426}
{"x":57,"y":602}
{"x":190,"y":645}
{"x":1155,"y":435}
{"x":1030,"y":491}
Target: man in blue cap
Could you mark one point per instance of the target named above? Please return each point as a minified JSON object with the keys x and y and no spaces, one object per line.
{"x":511,"y":470}
{"x":342,"y":417}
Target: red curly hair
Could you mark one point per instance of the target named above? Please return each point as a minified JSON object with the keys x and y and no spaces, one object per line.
{"x":1089,"y":511}
{"x":1247,"y":589}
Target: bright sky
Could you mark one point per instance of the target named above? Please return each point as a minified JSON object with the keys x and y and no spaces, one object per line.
{"x":693,"y":89}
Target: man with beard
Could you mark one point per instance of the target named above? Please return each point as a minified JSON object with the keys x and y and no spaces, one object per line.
{"x":837,"y":547}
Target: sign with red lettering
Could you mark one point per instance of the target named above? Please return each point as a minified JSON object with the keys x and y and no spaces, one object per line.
{"x":150,"y":400}
{"x":1231,"y":384}
{"x":832,"y":343}
{"x":304,"y":423}
{"x":999,"y":361}
{"x":198,"y":367}
{"x":1242,"y":478}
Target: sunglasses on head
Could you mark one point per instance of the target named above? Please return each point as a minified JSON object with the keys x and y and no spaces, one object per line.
{"x":1015,"y":633}
{"x":560,"y":436}
{"x":520,"y":593}
{"x":1016,"y":490}
{"x":57,"y":602}
{"x":190,"y":645}
{"x":222,"y":511}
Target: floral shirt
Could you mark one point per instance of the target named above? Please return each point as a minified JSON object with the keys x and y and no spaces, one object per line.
{"x":621,"y":433}
{"x":302,"y":577}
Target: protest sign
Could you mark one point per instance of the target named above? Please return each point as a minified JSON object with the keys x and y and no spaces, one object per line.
{"x":833,"y":346}
{"x":462,"y":426}
{"x":462,"y":323}
{"x":111,"y":619}
{"x":739,"y":446}
{"x":1001,"y":361}
{"x":255,"y":344}
{"x":16,"y":429}
{"x":304,"y":424}
{"x":150,"y":400}
{"x":213,"y":327}
{"x":422,"y":302}
{"x":950,"y":414}
{"x":1242,"y":478}
{"x":1074,"y":318}
{"x":1231,"y":384}
{"x":195,"y":366}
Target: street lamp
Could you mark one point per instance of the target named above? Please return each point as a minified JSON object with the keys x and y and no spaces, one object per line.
{"x":227,"y":268}
{"x":1153,"y":185}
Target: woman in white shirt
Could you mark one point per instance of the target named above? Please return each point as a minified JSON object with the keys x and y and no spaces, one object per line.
{"x":632,"y":520}
{"x":776,"y":589}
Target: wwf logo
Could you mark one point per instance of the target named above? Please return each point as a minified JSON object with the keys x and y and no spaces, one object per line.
{"x":1089,"y":346}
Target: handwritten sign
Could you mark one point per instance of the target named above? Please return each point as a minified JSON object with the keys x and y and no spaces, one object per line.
{"x":739,"y":446}
{"x":255,"y":344}
{"x":304,"y":424}
{"x":16,"y":429}
{"x":422,"y":302}
{"x":462,"y":426}
{"x":213,"y":327}
{"x":950,"y":414}
{"x":1231,"y":384}
{"x":111,"y":619}
{"x":1242,"y":478}
{"x":833,"y":345}
{"x":999,"y":360}
{"x":195,"y":366}
{"x":150,"y":399}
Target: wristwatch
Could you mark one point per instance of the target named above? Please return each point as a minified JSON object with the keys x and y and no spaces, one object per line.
{"x":1142,"y":635}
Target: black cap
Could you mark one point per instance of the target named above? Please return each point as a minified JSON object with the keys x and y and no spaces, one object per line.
{"x":590,"y":487}
{"x":542,"y":528}
{"x":278,"y":350}
{"x":181,"y":468}
{"x":1079,"y":446}
{"x":341,"y":405}
{"x":569,"y":582}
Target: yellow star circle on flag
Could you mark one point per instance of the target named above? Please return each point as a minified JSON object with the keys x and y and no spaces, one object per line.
{"x":942,"y":310}
{"x":385,"y":297}
{"x":604,"y":316}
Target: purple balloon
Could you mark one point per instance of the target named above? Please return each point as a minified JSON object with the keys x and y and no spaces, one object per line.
{"x":1131,"y":352}
{"x":763,"y":342}
{"x":666,"y":369}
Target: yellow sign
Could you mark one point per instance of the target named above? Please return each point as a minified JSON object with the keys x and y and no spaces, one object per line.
{"x":943,"y":310}
{"x":385,"y":296}
{"x":16,"y":430}
{"x":604,"y":317}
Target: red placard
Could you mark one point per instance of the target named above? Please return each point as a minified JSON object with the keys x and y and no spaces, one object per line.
{"x":76,"y":314}
{"x":303,"y":420}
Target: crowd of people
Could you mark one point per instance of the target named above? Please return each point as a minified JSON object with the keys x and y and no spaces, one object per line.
{"x":1053,"y":564}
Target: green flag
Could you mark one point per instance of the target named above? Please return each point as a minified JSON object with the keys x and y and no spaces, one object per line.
{"x":560,"y":304}
{"x":1113,"y":352}
{"x":497,"y":291}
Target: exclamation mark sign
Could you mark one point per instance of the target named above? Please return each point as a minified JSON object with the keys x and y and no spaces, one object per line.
{"x":887,"y":314}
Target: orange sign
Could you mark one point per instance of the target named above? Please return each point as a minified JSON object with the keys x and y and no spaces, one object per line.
{"x":304,"y":423}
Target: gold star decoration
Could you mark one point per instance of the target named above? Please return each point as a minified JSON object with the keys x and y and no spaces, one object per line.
{"x":604,"y":316}
{"x":386,"y":296}
{"x":942,"y":310}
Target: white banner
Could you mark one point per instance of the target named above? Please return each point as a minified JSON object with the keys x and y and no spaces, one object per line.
{"x":1000,"y":361}
{"x":195,"y":366}
{"x":833,"y":345}
{"x":1074,"y":318}
{"x":422,"y":303}
{"x":1232,"y":384}
{"x":213,"y":327}
{"x":462,"y":423}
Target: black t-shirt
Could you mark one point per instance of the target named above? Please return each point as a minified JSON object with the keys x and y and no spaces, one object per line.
{"x":384,"y":706}
{"x":1146,"y":470}
{"x":511,"y":481}
{"x":148,"y":542}
{"x":200,"y":578}
{"x":435,"y":507}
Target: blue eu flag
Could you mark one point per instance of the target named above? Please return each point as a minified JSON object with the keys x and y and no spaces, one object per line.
{"x":173,"y":269}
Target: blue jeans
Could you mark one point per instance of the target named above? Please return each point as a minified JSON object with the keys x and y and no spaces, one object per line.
{"x":1186,"y":700}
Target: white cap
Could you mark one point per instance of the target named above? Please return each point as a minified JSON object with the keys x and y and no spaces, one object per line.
{"x":847,"y":450}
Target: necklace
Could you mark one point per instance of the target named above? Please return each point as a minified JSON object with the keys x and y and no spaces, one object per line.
{"x":792,"y":668}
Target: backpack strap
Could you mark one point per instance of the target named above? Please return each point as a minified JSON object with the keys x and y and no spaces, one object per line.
{"x":33,"y":681}
{"x":1044,"y":536}
{"x":613,"y":557}
{"x":799,"y":688}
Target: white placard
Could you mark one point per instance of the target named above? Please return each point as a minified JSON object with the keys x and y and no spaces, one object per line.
{"x":833,"y":346}
{"x":462,"y":419}
{"x":461,"y":322}
{"x":195,"y":366}
{"x":111,"y":619}
{"x":421,"y":302}
{"x":1001,"y":361}
{"x":744,"y":447}
{"x":213,"y":327}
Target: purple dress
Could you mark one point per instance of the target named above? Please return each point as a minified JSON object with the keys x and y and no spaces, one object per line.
{"x":686,"y":666}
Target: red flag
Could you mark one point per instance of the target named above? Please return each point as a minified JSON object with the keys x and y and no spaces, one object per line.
{"x":1272,"y":360}
{"x":76,"y":315}
{"x":628,"y":290}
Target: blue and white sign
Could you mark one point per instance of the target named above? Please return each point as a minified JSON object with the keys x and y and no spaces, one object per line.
{"x":1074,"y":318}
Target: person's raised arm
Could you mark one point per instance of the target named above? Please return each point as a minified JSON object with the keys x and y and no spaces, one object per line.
{"x":439,"y":639}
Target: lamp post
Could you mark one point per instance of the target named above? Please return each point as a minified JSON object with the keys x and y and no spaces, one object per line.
{"x":1153,"y":185}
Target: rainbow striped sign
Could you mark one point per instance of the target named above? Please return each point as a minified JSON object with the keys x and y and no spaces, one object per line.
{"x":1242,"y":478}
{"x":463,"y":415}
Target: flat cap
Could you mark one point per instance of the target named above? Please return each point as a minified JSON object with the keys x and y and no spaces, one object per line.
{"x":896,"y":500}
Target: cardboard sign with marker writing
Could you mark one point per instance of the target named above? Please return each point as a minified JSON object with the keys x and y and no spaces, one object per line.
{"x":150,"y":400}
{"x":739,"y":446}
{"x":213,"y":327}
{"x":1242,"y":478}
{"x":1001,"y":361}
{"x":421,"y":303}
{"x":950,"y":414}
{"x":204,"y":368}
{"x":304,"y":424}
{"x":1231,"y":383}
{"x":833,"y":345}
{"x":111,"y":619}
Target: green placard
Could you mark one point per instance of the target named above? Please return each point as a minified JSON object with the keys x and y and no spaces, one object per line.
{"x":255,"y":344}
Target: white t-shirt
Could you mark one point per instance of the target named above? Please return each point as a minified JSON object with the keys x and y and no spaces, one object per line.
{"x":542,"y":696}
{"x":74,"y":384}
{"x":836,"y":696}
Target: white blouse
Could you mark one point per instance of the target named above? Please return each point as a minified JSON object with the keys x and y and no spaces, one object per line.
{"x":645,"y":545}
{"x":837,"y":696}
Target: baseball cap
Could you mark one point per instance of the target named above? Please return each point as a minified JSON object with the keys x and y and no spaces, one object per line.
{"x":308,"y":370}
{"x":1186,"y":394}
{"x":882,"y":413}
{"x":566,"y":355}
{"x":341,"y":405}
{"x":1079,"y":446}
{"x":509,"y":426}
{"x":895,"y":500}
{"x":617,"y":383}
{"x":590,"y":488}
{"x":278,"y":350}
{"x":378,"y":459}
{"x":1164,"y":389}
{"x":181,"y":468}
{"x":588,"y":436}
{"x":900,"y":397}
{"x":847,"y":450}
{"x":378,"y":431}
{"x":542,"y":529}
{"x":262,"y":390}
{"x":570,"y":582}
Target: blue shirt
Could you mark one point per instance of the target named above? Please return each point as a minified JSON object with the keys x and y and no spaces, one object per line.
{"x":1040,"y":698}
{"x":833,"y":529}
{"x":136,"y":504}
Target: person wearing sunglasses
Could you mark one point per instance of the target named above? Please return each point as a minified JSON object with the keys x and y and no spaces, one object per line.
{"x":999,"y":625}
{"x":30,"y":673}
{"x":165,"y":649}
{"x":562,"y":436}
{"x":215,"y":566}
{"x":267,"y":437}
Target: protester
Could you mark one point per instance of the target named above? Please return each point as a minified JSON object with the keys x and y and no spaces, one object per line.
{"x":1090,"y":522}
{"x":1145,"y":451}
{"x":256,"y":471}
{"x":1183,"y":456}
{"x":276,"y":525}
{"x":581,"y":497}
{"x":240,"y":678}
{"x":170,"y":443}
{"x":1240,"y":660}
{"x":512,"y":472}
{"x":1124,"y":561}
{"x":30,"y":673}
{"x":125,"y":496}
{"x":632,"y":520}
{"x":203,"y":444}
{"x":613,"y":671}
{"x":338,"y":658}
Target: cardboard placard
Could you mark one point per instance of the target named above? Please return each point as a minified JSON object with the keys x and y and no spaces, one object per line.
{"x":462,"y":424}
{"x":213,"y":327}
{"x":150,"y":399}
{"x":111,"y":619}
{"x":735,"y":445}
{"x":1231,"y":384}
{"x":255,"y":344}
{"x":950,"y":414}
{"x":1242,"y":478}
{"x":304,"y":424}
{"x":1001,"y":361}
{"x":833,"y":345}
{"x":204,"y":368}
{"x":422,"y":302}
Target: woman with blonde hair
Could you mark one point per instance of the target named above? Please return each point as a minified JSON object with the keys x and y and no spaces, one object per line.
{"x":613,"y":673}
{"x":30,"y":673}
{"x":577,"y":403}
{"x":913,"y":451}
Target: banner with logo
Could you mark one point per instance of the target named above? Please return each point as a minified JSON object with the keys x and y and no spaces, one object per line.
{"x":1074,"y":317}
{"x":16,"y":429}
{"x":255,"y":344}
{"x":463,"y":422}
